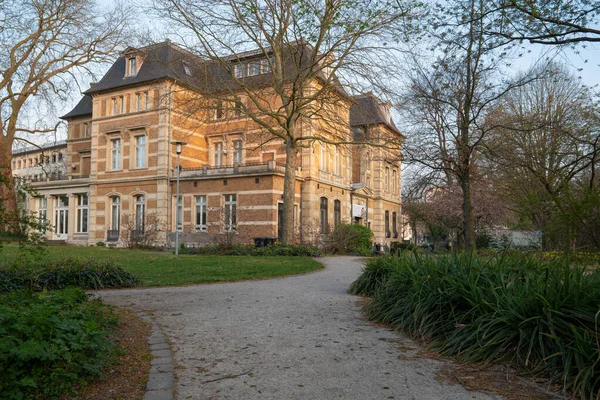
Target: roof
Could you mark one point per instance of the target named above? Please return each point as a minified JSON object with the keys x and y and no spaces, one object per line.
{"x":83,"y":108}
{"x":368,"y":110}
{"x":47,"y":146}
{"x":161,"y":60}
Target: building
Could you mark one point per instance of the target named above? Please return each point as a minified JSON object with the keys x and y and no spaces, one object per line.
{"x":121,"y":165}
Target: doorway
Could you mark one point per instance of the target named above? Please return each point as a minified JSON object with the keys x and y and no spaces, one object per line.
{"x":61,"y":218}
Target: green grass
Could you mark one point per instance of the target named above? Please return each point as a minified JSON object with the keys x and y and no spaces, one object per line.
{"x":163,"y":269}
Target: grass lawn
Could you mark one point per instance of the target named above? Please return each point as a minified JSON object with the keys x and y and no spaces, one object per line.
{"x":163,"y":269}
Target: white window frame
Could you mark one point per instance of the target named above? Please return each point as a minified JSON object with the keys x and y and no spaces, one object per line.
{"x":121,"y":104}
{"x":83,"y":213}
{"x":132,"y":67}
{"x":237,"y":151}
{"x":140,"y":212}
{"x":239,"y":70}
{"x":140,"y":151}
{"x":218,"y":154}
{"x":86,"y":129}
{"x":254,"y":68}
{"x":201,"y":213}
{"x":115,"y":213}
{"x":43,"y":211}
{"x":114,"y":105}
{"x":230,"y":212}
{"x":115,"y":154}
{"x":138,"y":101}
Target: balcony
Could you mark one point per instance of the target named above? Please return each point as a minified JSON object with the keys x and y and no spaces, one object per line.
{"x":237,"y":169}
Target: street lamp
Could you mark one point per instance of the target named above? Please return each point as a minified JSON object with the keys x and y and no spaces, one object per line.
{"x":178,"y":150}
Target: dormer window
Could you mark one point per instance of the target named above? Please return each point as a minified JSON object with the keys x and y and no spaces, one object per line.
{"x":187,"y":69}
{"x":132,"y":67}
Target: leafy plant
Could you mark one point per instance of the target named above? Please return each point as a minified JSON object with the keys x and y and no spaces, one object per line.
{"x":350,"y":239}
{"x":58,"y":274}
{"x":52,"y":342}
{"x":543,"y":316}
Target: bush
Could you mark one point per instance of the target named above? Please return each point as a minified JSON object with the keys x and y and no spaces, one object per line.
{"x":374,"y":275}
{"x":276,"y":249}
{"x":52,"y":275}
{"x":541,"y":315}
{"x":52,"y":342}
{"x":350,"y":239}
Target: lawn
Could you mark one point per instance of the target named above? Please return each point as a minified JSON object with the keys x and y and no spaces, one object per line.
{"x":163,"y":269}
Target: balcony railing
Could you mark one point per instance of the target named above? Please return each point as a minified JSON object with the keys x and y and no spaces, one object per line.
{"x":61,"y":177}
{"x":241,"y":169}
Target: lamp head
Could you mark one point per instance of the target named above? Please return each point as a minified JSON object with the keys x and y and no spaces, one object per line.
{"x":178,"y":146}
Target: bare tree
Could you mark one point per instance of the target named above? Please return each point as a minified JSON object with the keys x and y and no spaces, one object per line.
{"x":43,"y":44}
{"x":546,"y":22}
{"x":303,"y":44}
{"x":545,"y":149}
{"x":448,"y":99}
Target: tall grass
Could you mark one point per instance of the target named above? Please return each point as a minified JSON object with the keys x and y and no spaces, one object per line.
{"x":542,"y":316}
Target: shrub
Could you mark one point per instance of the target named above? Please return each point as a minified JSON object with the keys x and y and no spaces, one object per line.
{"x":276,"y":249}
{"x":100,"y":243}
{"x":52,"y":342}
{"x":350,"y":239}
{"x":51,"y":275}
{"x":541,"y":315}
{"x":290,"y":250}
{"x":374,"y":275}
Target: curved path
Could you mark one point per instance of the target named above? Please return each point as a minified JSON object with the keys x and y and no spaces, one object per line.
{"x":300,"y":337}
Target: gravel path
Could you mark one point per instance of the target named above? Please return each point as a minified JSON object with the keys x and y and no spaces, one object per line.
{"x":300,"y":337}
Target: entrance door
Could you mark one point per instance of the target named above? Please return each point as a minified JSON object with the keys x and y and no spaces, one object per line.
{"x":61,"y":218}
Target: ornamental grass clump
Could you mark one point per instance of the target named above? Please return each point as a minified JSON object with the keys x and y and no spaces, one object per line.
{"x":58,"y":274}
{"x":542,"y":316}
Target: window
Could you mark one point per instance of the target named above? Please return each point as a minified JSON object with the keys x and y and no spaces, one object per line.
{"x":141,"y":101}
{"x":219,"y":110}
{"x":201,"y":213}
{"x":394,"y":226}
{"x":337,"y":213}
{"x":394,"y":180}
{"x":60,"y":157}
{"x":230,"y":215}
{"x":115,"y":213}
{"x":140,"y":212}
{"x":116,"y":154}
{"x":237,"y":151}
{"x":323,"y":216}
{"x":121,"y":105}
{"x":218,"y":154}
{"x":187,"y":69}
{"x":132,"y":68}
{"x":239,"y":70}
{"x":387,"y":224}
{"x":387,"y":179}
{"x":324,"y":157}
{"x":146,"y":100}
{"x":140,"y":151}
{"x":53,"y":160}
{"x":338,"y":162}
{"x":82,"y":213}
{"x":86,"y":129}
{"x":179,"y":214}
{"x":237,"y":108}
{"x":265,"y":65}
{"x":254,"y":68}
{"x":114,"y":105}
{"x":43,"y":211}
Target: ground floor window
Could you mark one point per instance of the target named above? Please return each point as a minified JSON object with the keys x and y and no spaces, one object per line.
{"x":82,"y":213}
{"x":140,"y":212}
{"x":337,"y":213}
{"x":115,"y":214}
{"x":394,"y":225}
{"x":43,"y":212}
{"x":230,"y":213}
{"x":201,"y":213}
{"x":324,"y":224}
{"x":387,"y":224}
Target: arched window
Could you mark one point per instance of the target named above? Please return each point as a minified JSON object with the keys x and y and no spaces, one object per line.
{"x":323,"y":216}
{"x":140,"y":212}
{"x":115,"y":213}
{"x":387,"y":224}
{"x":337,"y":213}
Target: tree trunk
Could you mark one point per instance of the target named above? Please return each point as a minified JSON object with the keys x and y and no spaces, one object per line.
{"x":8,"y":197}
{"x":467,"y":213}
{"x":289,"y":191}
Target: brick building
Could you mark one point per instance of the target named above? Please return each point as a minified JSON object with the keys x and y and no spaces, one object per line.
{"x":121,"y":165}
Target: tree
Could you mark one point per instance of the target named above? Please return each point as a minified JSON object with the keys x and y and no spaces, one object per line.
{"x":43,"y":45}
{"x":448,"y":99}
{"x":304,"y":44}
{"x":545,"y":151}
{"x":546,"y":22}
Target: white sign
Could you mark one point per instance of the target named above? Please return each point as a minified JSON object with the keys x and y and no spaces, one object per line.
{"x":358,"y":211}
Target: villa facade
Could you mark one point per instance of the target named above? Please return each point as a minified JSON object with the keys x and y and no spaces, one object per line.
{"x":120,"y":167}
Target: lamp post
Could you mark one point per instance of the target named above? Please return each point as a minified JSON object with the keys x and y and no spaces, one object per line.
{"x":178,"y":150}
